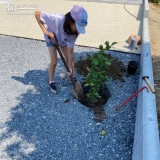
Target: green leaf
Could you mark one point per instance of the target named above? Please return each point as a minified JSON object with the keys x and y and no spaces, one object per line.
{"x":111,"y":59}
{"x":94,"y":75}
{"x":108,"y":63}
{"x":92,"y":84}
{"x":108,"y":48}
{"x":101,"y":47}
{"x":96,"y":94}
{"x":94,"y":100}
{"x":107,"y":43}
{"x":88,"y":95}
{"x":100,"y":57}
{"x":95,"y":62}
{"x":101,"y":52}
{"x":88,"y":75}
{"x":86,"y":84}
{"x":113,"y":43}
{"x":103,"y":133}
{"x":107,"y":78}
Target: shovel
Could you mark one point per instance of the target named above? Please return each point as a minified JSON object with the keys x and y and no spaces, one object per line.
{"x":77,"y":90}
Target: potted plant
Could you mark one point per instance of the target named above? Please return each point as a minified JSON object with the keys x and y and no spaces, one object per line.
{"x":95,"y":81}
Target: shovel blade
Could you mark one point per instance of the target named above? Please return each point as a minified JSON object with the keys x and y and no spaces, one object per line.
{"x":77,"y":90}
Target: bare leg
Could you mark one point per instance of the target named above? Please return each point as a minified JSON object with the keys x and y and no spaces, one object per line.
{"x":53,"y":63}
{"x":65,"y":53}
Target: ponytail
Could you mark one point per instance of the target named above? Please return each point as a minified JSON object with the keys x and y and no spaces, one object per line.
{"x":66,"y":26}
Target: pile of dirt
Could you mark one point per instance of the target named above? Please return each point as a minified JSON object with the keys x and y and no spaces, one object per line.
{"x":116,"y":70}
{"x":97,"y":107}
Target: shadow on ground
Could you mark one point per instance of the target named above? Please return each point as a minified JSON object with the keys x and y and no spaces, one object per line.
{"x":31,"y":131}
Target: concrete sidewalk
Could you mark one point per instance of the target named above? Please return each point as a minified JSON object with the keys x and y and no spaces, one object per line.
{"x":107,"y":22}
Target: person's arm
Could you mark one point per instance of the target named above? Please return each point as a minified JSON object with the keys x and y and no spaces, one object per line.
{"x":41,"y":24}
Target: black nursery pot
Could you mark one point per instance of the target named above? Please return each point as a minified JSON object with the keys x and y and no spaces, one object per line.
{"x":104,"y":91}
{"x":132,"y":67}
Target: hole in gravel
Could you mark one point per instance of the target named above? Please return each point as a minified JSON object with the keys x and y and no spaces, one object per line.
{"x":116,"y":71}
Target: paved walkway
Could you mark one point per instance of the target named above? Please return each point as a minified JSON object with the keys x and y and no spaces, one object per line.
{"x":114,"y":1}
{"x":107,"y":22}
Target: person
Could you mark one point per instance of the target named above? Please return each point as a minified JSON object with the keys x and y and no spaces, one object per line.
{"x":66,"y":28}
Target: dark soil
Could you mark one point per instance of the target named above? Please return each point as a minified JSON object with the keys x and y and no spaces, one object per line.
{"x":116,"y":71}
{"x":98,"y":106}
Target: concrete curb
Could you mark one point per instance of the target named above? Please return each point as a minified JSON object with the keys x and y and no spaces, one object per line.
{"x":146,"y":137}
{"x":146,"y":9}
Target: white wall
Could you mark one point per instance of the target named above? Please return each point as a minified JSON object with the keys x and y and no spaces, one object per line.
{"x":146,"y":139}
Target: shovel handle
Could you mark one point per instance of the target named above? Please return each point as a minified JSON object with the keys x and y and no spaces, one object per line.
{"x":150,"y":86}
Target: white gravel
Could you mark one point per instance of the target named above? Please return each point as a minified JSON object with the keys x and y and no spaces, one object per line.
{"x":35,"y":124}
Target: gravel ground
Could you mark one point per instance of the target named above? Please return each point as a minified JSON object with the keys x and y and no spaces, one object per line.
{"x":35,"y":124}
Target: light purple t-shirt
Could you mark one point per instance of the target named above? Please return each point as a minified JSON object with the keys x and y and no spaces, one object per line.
{"x":54,"y":23}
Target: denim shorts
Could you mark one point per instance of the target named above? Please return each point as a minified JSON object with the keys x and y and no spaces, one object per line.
{"x":49,"y":44}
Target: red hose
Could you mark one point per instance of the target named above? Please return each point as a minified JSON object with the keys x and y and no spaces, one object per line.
{"x":131,"y":97}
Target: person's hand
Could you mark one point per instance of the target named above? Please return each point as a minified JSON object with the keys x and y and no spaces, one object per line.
{"x":69,"y":73}
{"x":50,"y":34}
